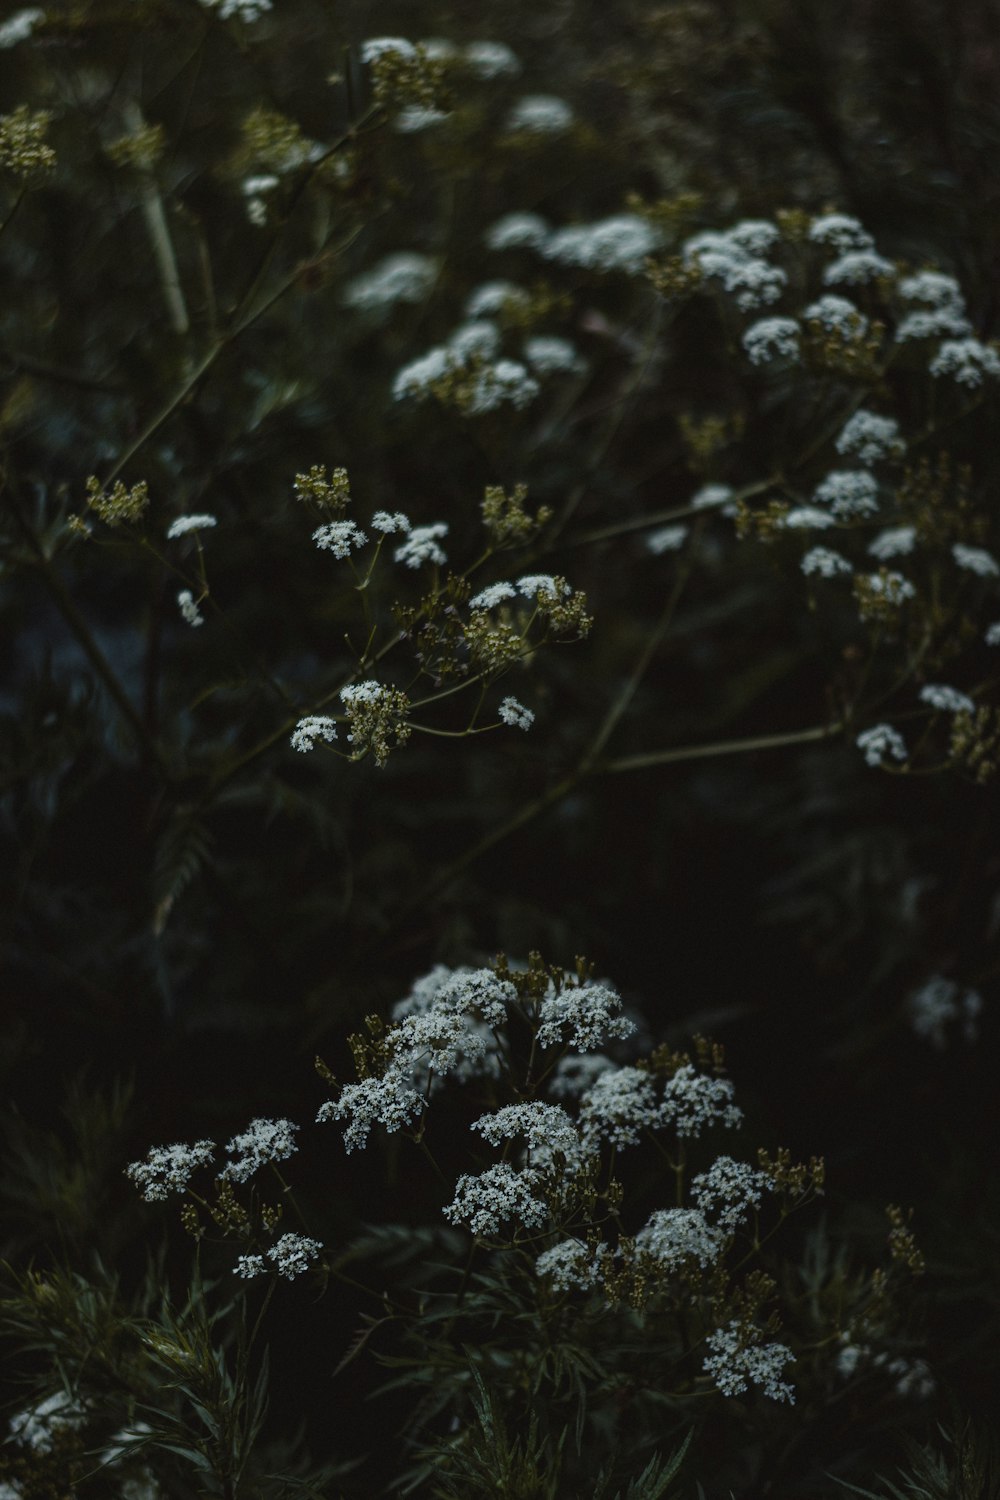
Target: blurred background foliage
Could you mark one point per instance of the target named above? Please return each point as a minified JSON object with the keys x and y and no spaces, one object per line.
{"x":193,"y":910}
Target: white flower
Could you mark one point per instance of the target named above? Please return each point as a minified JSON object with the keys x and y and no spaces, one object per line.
{"x":570,"y":1265}
{"x":666,"y":539}
{"x":189,"y":609}
{"x":937,"y":1003}
{"x":692,"y":1101}
{"x":841,"y":232}
{"x":619,"y":1105}
{"x":590,"y":1014}
{"x":676,"y":1235}
{"x":252,"y":187}
{"x":976,"y":560}
{"x":168,"y":1169}
{"x":807,"y":518}
{"x":895,"y":541}
{"x":463,"y":991}
{"x":417,"y":378}
{"x":621,"y":243}
{"x":891,"y":586}
{"x":40,"y":1425}
{"x":496,"y":1195}
{"x":184,"y":524}
{"x":850,"y":1356}
{"x":870,"y":437}
{"x":533,"y":584}
{"x":547,"y":1128}
{"x":492,"y":595}
{"x":387,"y":522}
{"x":387,"y":46}
{"x":755,"y":236}
{"x":913,"y":1377}
{"x":339,"y":537}
{"x":293,"y":1254}
{"x":246,"y":10}
{"x":405,"y":276}
{"x":552,"y":356}
{"x":992,"y":636}
{"x":729,"y":1190}
{"x":249,"y":1266}
{"x":309,"y":730}
{"x":515,"y":714}
{"x":413,"y":118}
{"x":772,"y":338}
{"x":848,"y":492}
{"x":756,"y":283}
{"x":946,"y":699}
{"x":857,"y":268}
{"x":506,"y":381}
{"x":518,"y":231}
{"x":422,"y":546}
{"x":967,"y":360}
{"x":576,"y":1073}
{"x":492,"y":297}
{"x":540,"y":114}
{"x":478,"y":339}
{"x":19,"y":27}
{"x":263,"y":1141}
{"x":710,"y":496}
{"x":837,"y":315}
{"x":390,"y":1101}
{"x":491,"y":60}
{"x":879,"y":741}
{"x":933,"y":325}
{"x":825,"y":562}
{"x":733,"y":1363}
{"x":714,"y":243}
{"x":933,"y":288}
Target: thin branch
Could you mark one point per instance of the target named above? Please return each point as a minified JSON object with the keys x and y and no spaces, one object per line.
{"x":720,"y":747}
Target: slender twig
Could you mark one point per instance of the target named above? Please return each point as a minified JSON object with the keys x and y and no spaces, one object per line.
{"x":159,"y":233}
{"x":676,"y":754}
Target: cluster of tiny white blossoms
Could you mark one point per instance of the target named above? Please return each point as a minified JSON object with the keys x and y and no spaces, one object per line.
{"x":515,"y":714}
{"x":189,"y":608}
{"x":880,"y":742}
{"x":571,"y":1265}
{"x":728,"y":1191}
{"x":518,"y":231}
{"x":940,"y":1003}
{"x":693,"y":1101}
{"x":291,"y":1256}
{"x":826,"y":562}
{"x":870,"y":437}
{"x":772,"y":338}
{"x":539,"y":114}
{"x":836,"y":315}
{"x":169,"y":1169}
{"x":263,"y":1141}
{"x":618,"y":1105}
{"x":976,"y":560}
{"x":422,"y":546}
{"x":946,"y":700}
{"x":339,"y":537}
{"x":674,"y":1236}
{"x":576,"y":1072}
{"x":406,"y":276}
{"x":735,"y":257}
{"x":967,"y":361}
{"x":314,"y":727}
{"x":848,"y":493}
{"x":893,"y":541}
{"x":242,"y":10}
{"x":548,"y":1133}
{"x":20,"y":26}
{"x":737,"y":1359}
{"x":666,"y":539}
{"x":185,"y":524}
{"x":584,"y":1017}
{"x":497,"y":1196}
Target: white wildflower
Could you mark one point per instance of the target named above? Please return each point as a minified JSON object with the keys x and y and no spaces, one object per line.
{"x":967,"y":360}
{"x":976,"y":560}
{"x":571,"y":1266}
{"x":168,"y":1169}
{"x":253,"y":187}
{"x":507,"y":381}
{"x":619,"y":1104}
{"x":417,"y":378}
{"x":388,"y":522}
{"x":937,"y":1004}
{"x":339,"y":537}
{"x":894,"y":541}
{"x":992,"y":636}
{"x":293,"y":1254}
{"x":488,"y":60}
{"x":848,"y":493}
{"x":714,"y":243}
{"x":19,"y":27}
{"x":492,"y":595}
{"x":390,"y":1101}
{"x":422,"y":546}
{"x":913,"y":1377}
{"x":621,"y":243}
{"x":518,"y":231}
{"x":692,"y":1101}
{"x":515,"y":714}
{"x":710,"y":496}
{"x":249,"y":1266}
{"x":403,"y":277}
{"x":755,"y":283}
{"x":263,"y":1141}
{"x":850,"y":1356}
{"x":462,"y":991}
{"x":807,"y":518}
{"x":933,"y":288}
{"x":881,"y":741}
{"x":825,"y":562}
{"x":734,"y":1364}
{"x":547,"y":1129}
{"x":946,"y":699}
{"x":439,"y":49}
{"x":492,"y":297}
{"x":837,"y":315}
{"x":387,"y":46}
{"x":495,"y":1196}
{"x":755,"y":236}
{"x":870,"y":437}
{"x":841,"y":232}
{"x":189,"y":609}
{"x":857,"y":268}
{"x":891,"y":586}
{"x":184,"y":524}
{"x":244,"y":10}
{"x":772,"y":338}
{"x":539,"y":114}
{"x":550,"y":355}
{"x":309,"y":730}
{"x":576,"y":1073}
{"x":479,"y":339}
{"x":936,"y":324}
{"x":589,"y":1014}
{"x":413,"y":118}
{"x":666,"y":539}
{"x":729,"y":1190}
{"x":676,"y":1235}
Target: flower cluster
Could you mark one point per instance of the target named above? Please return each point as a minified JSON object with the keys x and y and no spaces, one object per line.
{"x":169,"y":1169}
{"x":738,"y":1358}
{"x":263,"y":1141}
